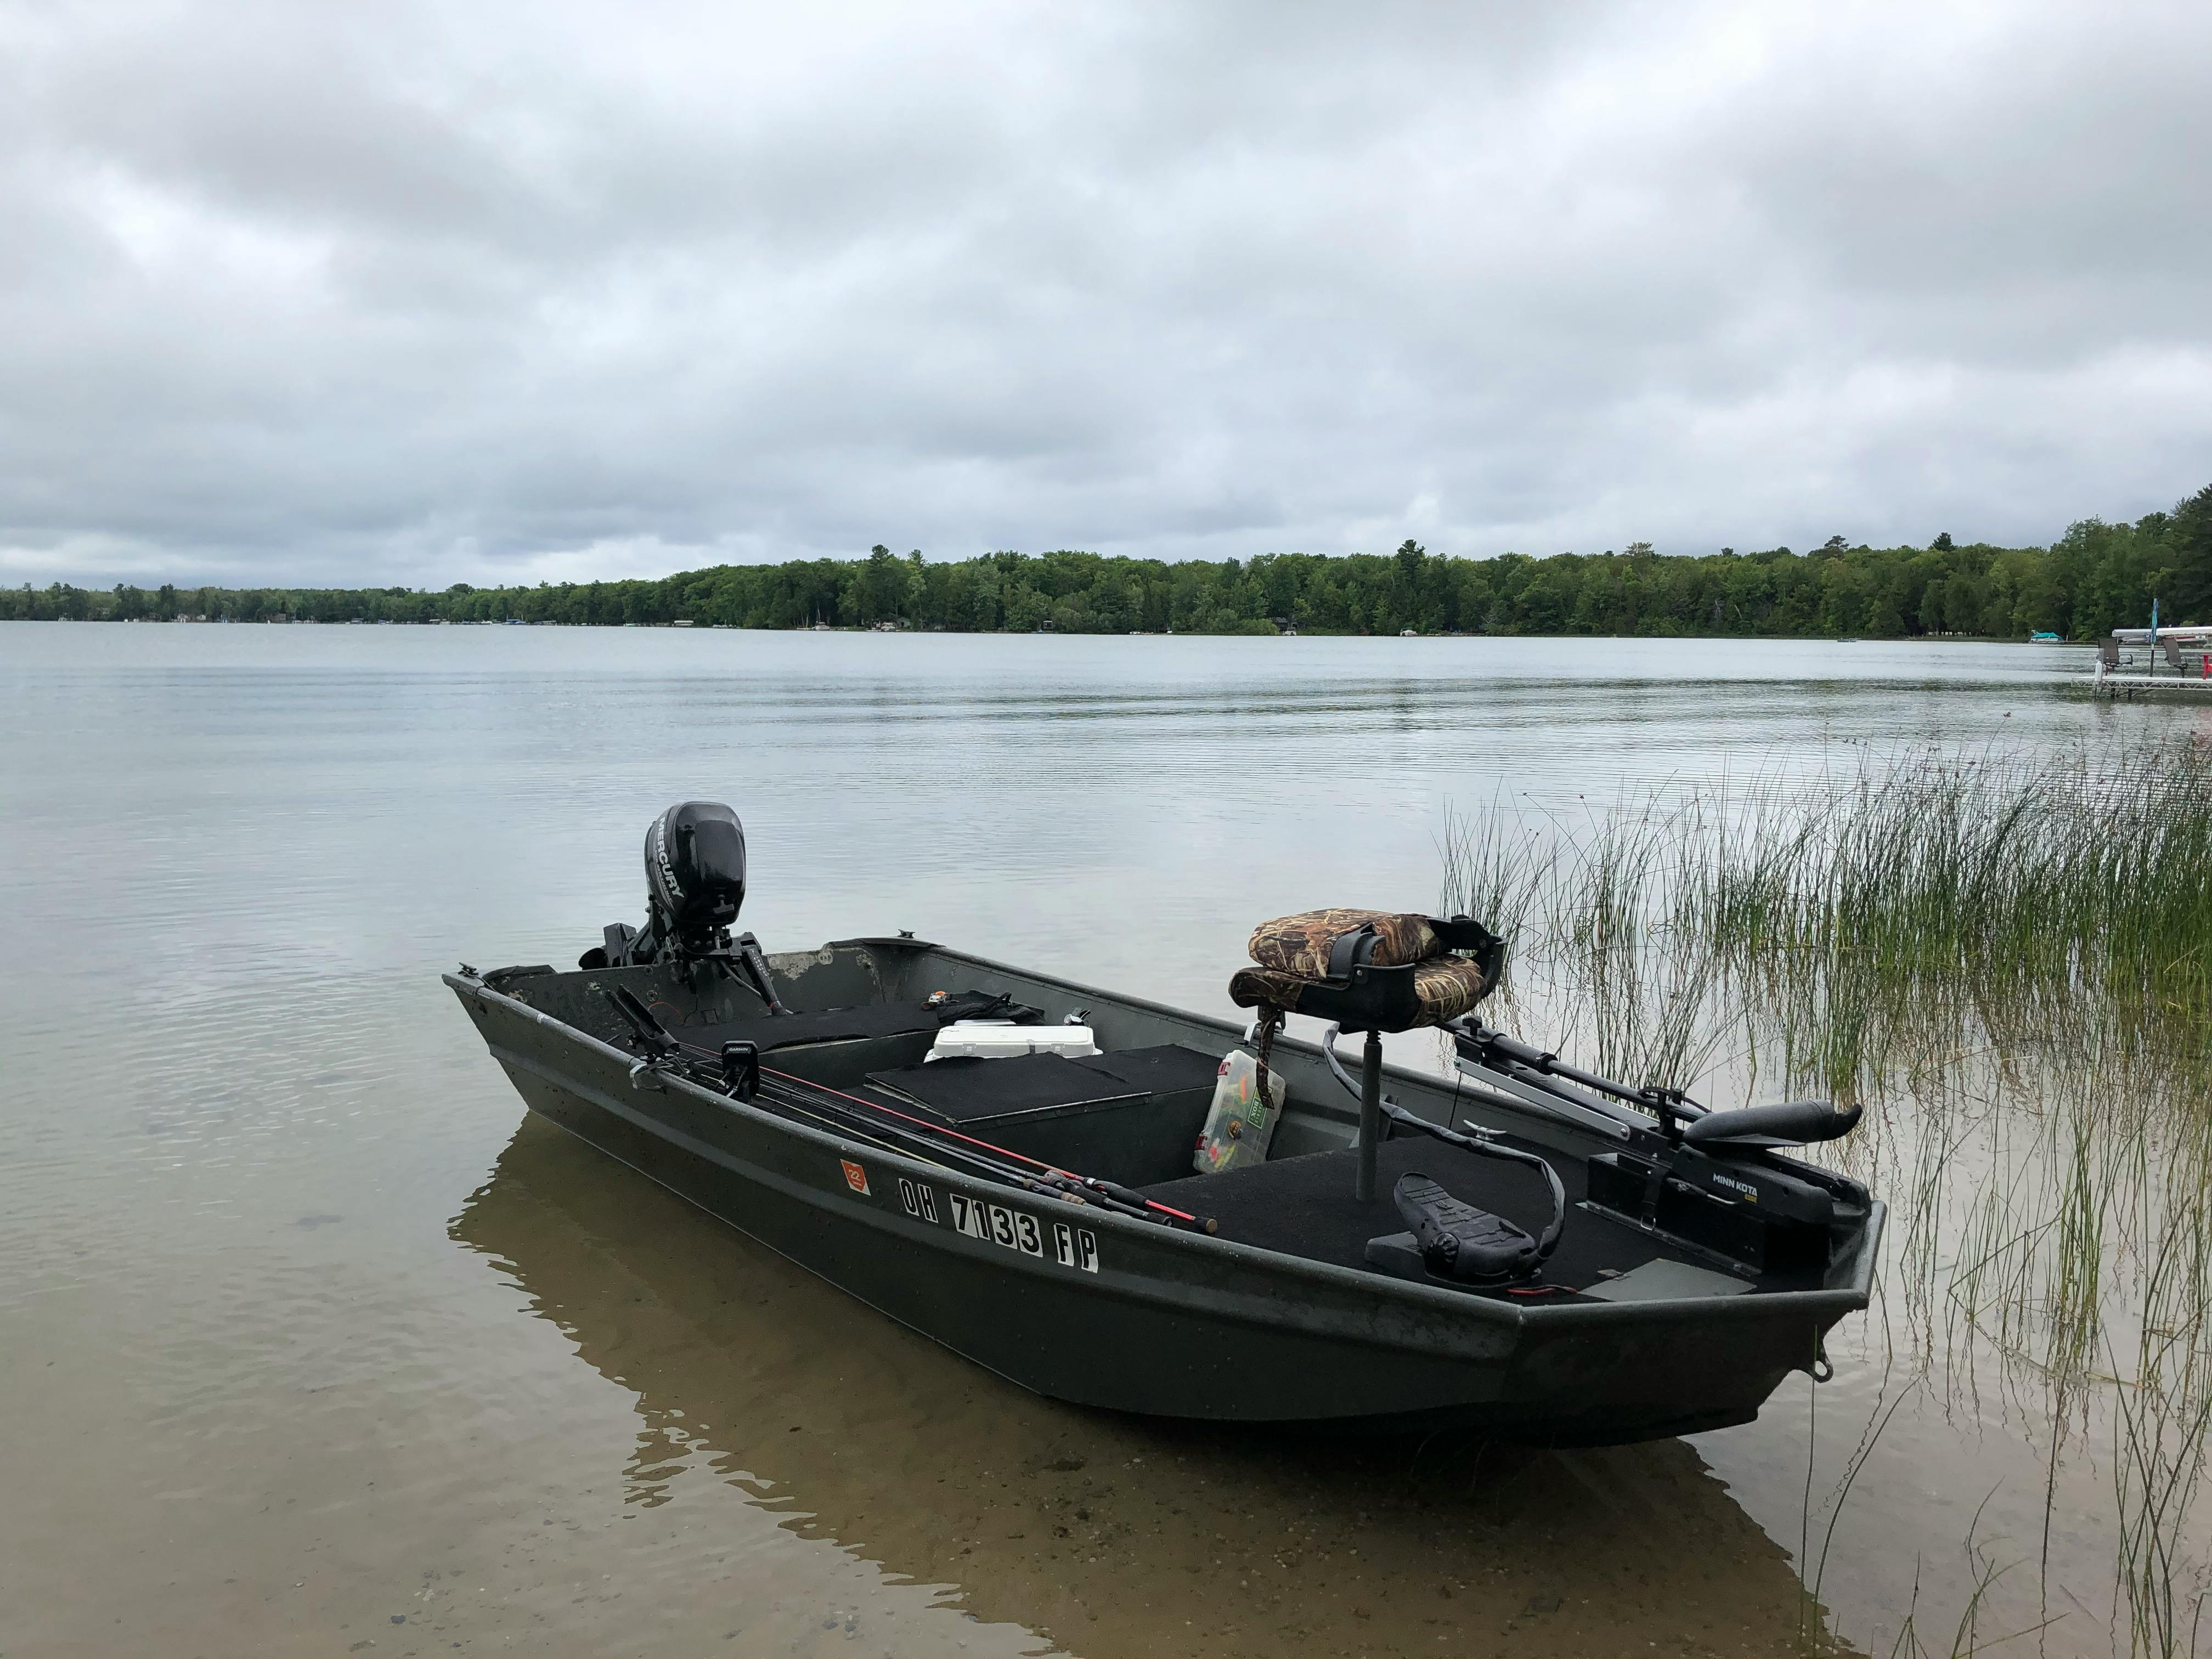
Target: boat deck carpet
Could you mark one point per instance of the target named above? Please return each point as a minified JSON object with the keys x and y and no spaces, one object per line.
{"x":964,"y":1090}
{"x":771,"y":1032}
{"x":969,"y":1091}
{"x":1304,"y":1207}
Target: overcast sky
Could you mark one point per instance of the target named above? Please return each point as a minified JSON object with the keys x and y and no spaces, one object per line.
{"x":419,"y":294}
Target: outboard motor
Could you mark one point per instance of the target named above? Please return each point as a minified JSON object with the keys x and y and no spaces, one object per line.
{"x":694,"y":885}
{"x":695,"y":877}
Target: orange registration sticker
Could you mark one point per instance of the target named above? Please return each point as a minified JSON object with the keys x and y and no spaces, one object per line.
{"x":855,"y":1177}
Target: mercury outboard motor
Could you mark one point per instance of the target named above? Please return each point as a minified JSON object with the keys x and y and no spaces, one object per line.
{"x":694,"y":885}
{"x":695,"y":877}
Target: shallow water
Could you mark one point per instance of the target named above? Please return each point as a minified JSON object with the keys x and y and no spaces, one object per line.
{"x":305,"y":1331}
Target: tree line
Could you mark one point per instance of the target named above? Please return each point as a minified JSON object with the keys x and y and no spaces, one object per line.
{"x":2096,"y":577}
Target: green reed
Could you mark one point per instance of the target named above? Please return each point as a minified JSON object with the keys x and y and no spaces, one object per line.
{"x":2005,"y":957}
{"x":1916,"y":898}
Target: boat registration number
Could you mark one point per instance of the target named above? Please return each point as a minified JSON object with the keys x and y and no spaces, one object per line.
{"x":1014,"y":1229}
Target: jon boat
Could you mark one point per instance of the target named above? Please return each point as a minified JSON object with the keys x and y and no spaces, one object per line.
{"x":1524,"y":1251}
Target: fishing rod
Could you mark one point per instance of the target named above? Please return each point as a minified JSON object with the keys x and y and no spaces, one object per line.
{"x":1095,"y":1187}
{"x":890,"y":1138}
{"x":740,"y":1064}
{"x":845,"y":1127}
{"x":741,"y":1068}
{"x":884,"y":1137}
{"x":910,"y":1144}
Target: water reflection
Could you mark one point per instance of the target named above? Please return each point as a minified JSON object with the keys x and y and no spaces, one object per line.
{"x":1108,"y":1536}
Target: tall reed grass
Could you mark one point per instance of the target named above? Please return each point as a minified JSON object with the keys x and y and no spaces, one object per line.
{"x":2008,"y":957}
{"x":1905,"y":900}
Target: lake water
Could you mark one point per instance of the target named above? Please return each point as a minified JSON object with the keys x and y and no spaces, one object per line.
{"x":311,"y":1343}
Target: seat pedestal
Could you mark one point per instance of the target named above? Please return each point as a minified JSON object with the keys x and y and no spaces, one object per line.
{"x":1370,"y":1116}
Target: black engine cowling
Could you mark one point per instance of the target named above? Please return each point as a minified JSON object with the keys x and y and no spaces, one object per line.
{"x":695,"y":874}
{"x":694,"y":885}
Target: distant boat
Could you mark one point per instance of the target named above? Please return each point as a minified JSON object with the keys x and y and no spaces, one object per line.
{"x":2043,"y":639}
{"x":1407,"y":633}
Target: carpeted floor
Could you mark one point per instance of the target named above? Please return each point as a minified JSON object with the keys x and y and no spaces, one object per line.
{"x":1304,"y":1207}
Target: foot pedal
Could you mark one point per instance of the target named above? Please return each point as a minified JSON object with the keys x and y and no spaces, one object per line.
{"x":1451,"y":1239}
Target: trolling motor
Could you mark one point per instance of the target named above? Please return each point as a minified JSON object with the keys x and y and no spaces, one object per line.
{"x":694,"y":885}
{"x":1708,"y":1179}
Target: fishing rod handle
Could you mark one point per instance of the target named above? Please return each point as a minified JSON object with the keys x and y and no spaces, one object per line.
{"x":749,"y":952}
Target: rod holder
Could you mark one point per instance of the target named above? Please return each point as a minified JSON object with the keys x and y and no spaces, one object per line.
{"x":1370,"y":1116}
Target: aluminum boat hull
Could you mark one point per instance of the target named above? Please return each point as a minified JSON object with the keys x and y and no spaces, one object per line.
{"x":1105,"y":1310}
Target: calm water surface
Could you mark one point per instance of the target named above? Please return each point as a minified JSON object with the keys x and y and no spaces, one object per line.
{"x":310,"y":1343}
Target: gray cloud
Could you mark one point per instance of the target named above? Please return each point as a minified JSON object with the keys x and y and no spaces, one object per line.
{"x":511,"y":291}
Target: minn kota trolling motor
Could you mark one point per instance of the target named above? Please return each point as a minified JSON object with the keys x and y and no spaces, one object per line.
{"x":1710,"y":1182}
{"x":694,"y":884}
{"x":1715,"y":1181}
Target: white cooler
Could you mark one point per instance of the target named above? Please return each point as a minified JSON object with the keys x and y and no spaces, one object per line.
{"x":996,"y":1039}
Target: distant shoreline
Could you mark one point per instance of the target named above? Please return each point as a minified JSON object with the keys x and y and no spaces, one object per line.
{"x":1048,"y":633}
{"x":2097,"y":577}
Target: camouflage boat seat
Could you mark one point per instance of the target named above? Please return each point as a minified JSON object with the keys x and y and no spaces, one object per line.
{"x":1369,"y":971}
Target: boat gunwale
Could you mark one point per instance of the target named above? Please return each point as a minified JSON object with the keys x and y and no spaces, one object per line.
{"x":1834,"y":1301}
